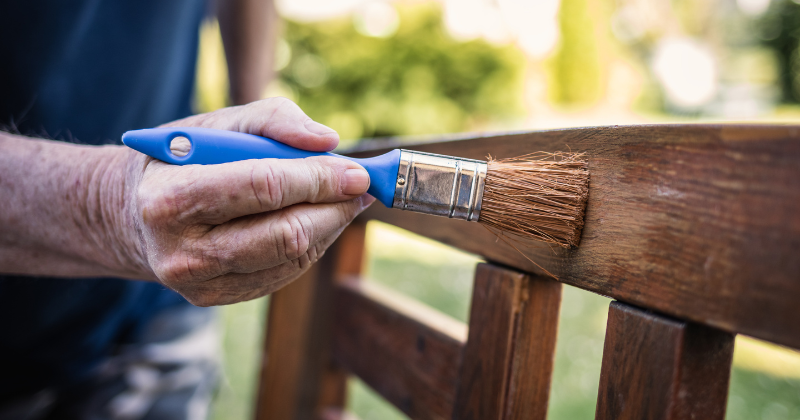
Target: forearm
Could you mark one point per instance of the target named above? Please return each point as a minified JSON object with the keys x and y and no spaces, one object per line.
{"x":63,"y":211}
{"x":249,"y":34}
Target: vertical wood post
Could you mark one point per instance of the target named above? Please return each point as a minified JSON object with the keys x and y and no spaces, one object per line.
{"x":655,"y":367}
{"x":299,"y":379}
{"x":508,"y":358}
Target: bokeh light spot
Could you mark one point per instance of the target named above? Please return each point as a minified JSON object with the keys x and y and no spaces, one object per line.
{"x":376,"y":19}
{"x":686,"y":71}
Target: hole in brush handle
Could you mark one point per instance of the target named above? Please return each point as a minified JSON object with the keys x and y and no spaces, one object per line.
{"x":180,"y":146}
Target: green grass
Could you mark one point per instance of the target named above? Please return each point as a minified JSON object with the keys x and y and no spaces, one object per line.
{"x":758,"y":395}
{"x":761,"y":387}
{"x":242,"y":326}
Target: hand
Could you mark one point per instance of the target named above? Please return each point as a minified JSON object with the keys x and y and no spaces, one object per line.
{"x":220,"y":234}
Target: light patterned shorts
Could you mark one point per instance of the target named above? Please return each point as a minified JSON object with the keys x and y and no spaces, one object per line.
{"x":169,"y":373}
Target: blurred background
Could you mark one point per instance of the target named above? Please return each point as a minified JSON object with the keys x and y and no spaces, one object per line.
{"x":417,"y":68}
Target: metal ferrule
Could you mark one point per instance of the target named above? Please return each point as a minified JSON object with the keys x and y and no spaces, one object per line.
{"x":441,"y":185}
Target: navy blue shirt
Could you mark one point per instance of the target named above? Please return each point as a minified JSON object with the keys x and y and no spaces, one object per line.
{"x":85,"y":71}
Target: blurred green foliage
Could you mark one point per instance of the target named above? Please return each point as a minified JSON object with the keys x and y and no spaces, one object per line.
{"x":759,"y":395}
{"x":575,"y":66}
{"x":779,"y":30}
{"x":417,"y":81}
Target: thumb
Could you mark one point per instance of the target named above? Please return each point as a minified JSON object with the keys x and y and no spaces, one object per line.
{"x":282,"y":120}
{"x":277,"y":118}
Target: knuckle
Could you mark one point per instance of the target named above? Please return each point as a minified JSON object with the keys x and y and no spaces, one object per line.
{"x":305,"y":261}
{"x":328,"y":180}
{"x":278,"y":102}
{"x":270,"y":107}
{"x":166,"y":203}
{"x":294,"y":236}
{"x":175,"y":273}
{"x":324,"y":179}
{"x":268,"y":185}
{"x":183,"y":278}
{"x":154,"y":206}
{"x":313,"y":255}
{"x":185,"y":269}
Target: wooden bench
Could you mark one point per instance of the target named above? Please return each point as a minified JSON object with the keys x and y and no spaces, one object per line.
{"x":694,"y":230}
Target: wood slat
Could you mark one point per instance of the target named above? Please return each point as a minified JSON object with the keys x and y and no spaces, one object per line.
{"x":404,"y":350}
{"x":298,"y":379}
{"x":655,"y":368}
{"x":534,"y":349}
{"x":698,"y":222}
{"x":508,"y":359}
{"x":282,"y":360}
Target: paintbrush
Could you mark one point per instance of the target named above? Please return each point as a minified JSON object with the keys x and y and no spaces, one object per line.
{"x":540,"y":196}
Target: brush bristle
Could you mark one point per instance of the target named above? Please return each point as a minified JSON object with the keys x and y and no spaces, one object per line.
{"x":540,"y":196}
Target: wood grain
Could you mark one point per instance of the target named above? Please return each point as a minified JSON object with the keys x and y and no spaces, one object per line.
{"x":698,"y":222}
{"x":657,"y":368}
{"x":508,"y":358}
{"x":396,"y":351}
{"x":283,"y":358}
{"x":299,"y":379}
{"x":533,"y":351}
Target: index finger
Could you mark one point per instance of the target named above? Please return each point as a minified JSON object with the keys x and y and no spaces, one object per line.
{"x":214,"y":194}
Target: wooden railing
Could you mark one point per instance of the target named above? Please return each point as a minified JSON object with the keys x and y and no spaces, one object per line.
{"x":694,"y":230}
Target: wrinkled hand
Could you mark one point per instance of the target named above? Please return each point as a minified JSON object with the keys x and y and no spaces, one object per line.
{"x":220,"y":234}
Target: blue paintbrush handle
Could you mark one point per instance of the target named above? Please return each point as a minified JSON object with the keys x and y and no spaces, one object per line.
{"x":210,"y":146}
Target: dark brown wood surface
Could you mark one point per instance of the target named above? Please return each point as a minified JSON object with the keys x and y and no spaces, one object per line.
{"x":657,"y":368}
{"x":390,"y":342}
{"x":698,"y":222}
{"x":282,"y":360}
{"x":534,"y":349}
{"x":506,"y":370}
{"x":298,"y":379}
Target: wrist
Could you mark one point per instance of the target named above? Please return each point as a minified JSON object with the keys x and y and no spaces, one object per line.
{"x":113,"y":175}
{"x":67,"y":210}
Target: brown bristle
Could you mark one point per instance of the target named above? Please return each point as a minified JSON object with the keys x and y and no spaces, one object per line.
{"x":539,"y":196}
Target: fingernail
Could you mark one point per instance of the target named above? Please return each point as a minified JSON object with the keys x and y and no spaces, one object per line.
{"x":356,"y":182}
{"x":366,"y":200}
{"x":318,"y":128}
